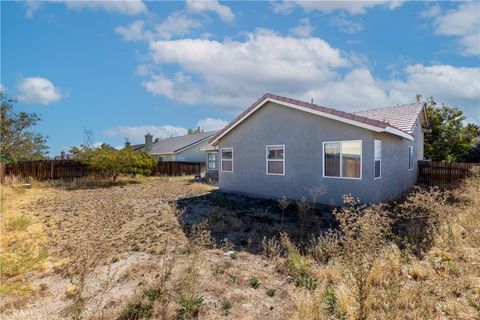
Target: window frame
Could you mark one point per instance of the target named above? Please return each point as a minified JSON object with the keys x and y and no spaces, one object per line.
{"x":410,"y":158}
{"x":216,"y":160}
{"x":274,"y":160}
{"x":221,"y":159}
{"x":341,"y":160}
{"x":375,"y":159}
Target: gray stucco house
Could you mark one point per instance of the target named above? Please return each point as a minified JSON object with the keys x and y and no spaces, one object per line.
{"x":189,"y":148}
{"x":283,"y":147}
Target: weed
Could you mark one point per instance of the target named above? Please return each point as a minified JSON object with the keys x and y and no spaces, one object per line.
{"x":254,"y":282}
{"x":153,"y":294}
{"x":17,"y":224}
{"x":271,"y":247}
{"x":136,"y":311}
{"x":330,"y":300}
{"x":190,"y":306}
{"x":226,"y":305}
{"x":309,"y":283}
{"x":135,"y":248}
{"x":270,"y":292}
{"x":283,"y":203}
{"x":295,"y":263}
{"x":233,"y":255}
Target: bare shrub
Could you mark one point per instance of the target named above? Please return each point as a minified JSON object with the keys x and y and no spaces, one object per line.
{"x":362,"y":243}
{"x":420,"y":217}
{"x":271,"y":247}
{"x":305,"y":216}
{"x":283,"y":203}
{"x":200,"y":235}
{"x":325,"y":247}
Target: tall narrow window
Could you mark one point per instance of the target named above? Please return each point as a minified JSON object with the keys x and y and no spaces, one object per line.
{"x":276,"y":160}
{"x":211,"y":160}
{"x":377,"y":162}
{"x":227,"y":159}
{"x":343,"y":159}
{"x":410,"y":158}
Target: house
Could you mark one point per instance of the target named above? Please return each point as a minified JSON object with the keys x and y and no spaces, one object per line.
{"x":189,"y":148}
{"x":284,"y":147}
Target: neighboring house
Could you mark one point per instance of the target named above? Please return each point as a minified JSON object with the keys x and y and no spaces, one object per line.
{"x":190,"y":148}
{"x":284,"y":147}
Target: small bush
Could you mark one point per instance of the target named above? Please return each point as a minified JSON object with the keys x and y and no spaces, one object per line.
{"x":271,"y":247}
{"x":254,"y":283}
{"x":295,"y":263}
{"x":226,"y":305}
{"x":136,"y":311}
{"x":325,"y":247}
{"x":309,"y":283}
{"x":270,"y":292}
{"x":190,"y":306}
{"x":18,"y":224}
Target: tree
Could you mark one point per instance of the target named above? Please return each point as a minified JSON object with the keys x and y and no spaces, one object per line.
{"x":451,"y":138}
{"x":17,"y":141}
{"x":195,"y":131}
{"x":111,"y":162}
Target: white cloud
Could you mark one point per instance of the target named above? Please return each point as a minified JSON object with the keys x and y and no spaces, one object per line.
{"x":177,"y":24}
{"x":346,"y":25}
{"x":303,"y":29}
{"x":247,"y":69}
{"x":136,"y":134}
{"x":224,"y":12}
{"x":210,"y":124}
{"x":127,"y":7}
{"x":3,"y":89}
{"x":463,"y":23}
{"x":32,"y":7}
{"x":37,"y":90}
{"x":352,"y":7}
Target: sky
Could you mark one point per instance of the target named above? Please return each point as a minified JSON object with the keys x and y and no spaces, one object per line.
{"x":125,"y":68}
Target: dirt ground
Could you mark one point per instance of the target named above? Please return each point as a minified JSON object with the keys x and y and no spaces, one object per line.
{"x":107,"y":245}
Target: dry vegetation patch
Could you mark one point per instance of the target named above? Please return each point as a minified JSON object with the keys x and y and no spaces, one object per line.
{"x":170,"y":248}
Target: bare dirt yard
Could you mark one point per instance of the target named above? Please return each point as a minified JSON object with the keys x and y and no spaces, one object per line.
{"x":172,"y":248}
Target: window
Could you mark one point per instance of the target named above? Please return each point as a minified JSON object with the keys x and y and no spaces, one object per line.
{"x":211,"y":160}
{"x":377,"y":159}
{"x":343,"y":159}
{"x":410,"y":158}
{"x":275,"y":160}
{"x":227,"y":159}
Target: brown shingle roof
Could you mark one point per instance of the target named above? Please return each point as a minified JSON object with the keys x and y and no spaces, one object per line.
{"x":403,"y":117}
{"x":376,"y":122}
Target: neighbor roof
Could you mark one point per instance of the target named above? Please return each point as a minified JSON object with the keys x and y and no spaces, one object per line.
{"x":351,"y":118}
{"x":177,"y":144}
{"x":403,"y":116}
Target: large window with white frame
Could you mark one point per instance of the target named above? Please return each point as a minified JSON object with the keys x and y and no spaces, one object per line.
{"x":212,"y":160}
{"x":377,"y":159}
{"x":342,"y":159}
{"x":410,"y":158}
{"x":226,"y":155}
{"x":275,"y":160}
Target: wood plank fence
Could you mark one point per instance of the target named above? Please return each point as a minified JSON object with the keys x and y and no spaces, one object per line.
{"x":46,"y":169}
{"x":443,"y":174}
{"x":177,"y":168}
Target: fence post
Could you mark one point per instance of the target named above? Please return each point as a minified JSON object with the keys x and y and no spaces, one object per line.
{"x":2,"y":172}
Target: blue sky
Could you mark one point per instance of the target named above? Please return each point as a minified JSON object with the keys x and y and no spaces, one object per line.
{"x":125,"y":68}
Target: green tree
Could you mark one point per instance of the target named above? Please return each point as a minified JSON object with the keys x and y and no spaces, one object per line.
{"x":17,"y":141}
{"x":111,"y":162}
{"x":451,"y":138}
{"x":195,"y":131}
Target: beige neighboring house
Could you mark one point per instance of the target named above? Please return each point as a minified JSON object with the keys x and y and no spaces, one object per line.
{"x":189,"y":148}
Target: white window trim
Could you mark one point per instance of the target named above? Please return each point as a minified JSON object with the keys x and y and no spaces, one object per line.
{"x":216,"y":160}
{"x":221,"y":159}
{"x":374,"y":159}
{"x":410,"y":157}
{"x":278,"y":160}
{"x":341,"y":160}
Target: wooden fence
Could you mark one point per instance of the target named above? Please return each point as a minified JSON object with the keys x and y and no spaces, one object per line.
{"x":176,"y":168}
{"x":46,"y":169}
{"x":443,"y":174}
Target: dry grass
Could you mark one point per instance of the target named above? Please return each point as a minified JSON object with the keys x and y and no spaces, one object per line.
{"x":164,"y":248}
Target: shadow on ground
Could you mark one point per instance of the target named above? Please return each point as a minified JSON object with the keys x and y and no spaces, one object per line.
{"x":246,"y":221}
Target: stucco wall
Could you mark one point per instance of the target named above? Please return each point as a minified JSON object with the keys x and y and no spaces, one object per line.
{"x":303,"y":135}
{"x":193,"y":154}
